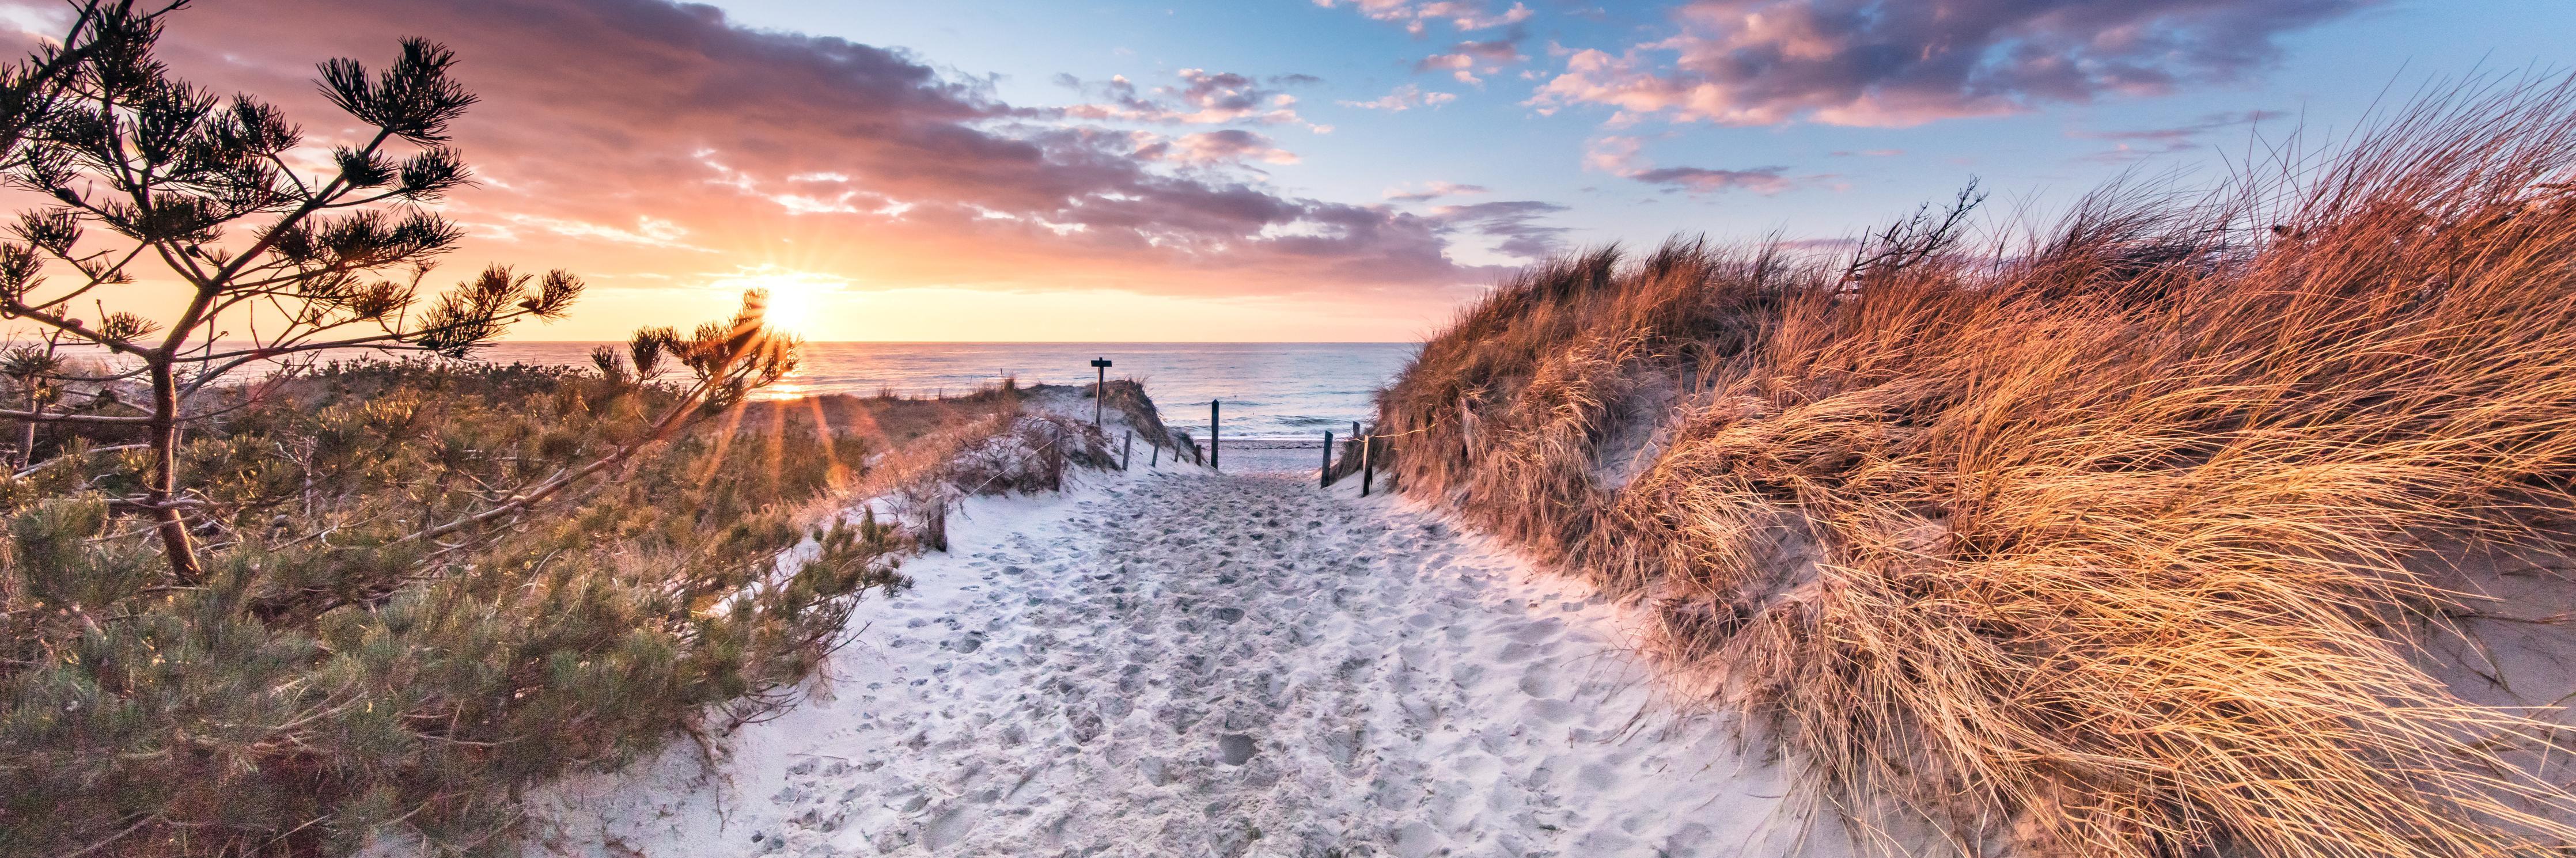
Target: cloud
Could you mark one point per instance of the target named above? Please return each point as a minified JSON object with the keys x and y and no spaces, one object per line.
{"x":1702,"y":180}
{"x":2141,"y":143}
{"x":628,"y":139}
{"x":1616,"y":154}
{"x":1403,"y":98}
{"x":1465,"y":59}
{"x":1463,"y":15}
{"x":1433,"y":191}
{"x":648,"y":231}
{"x":1624,"y":157}
{"x":1907,"y":62}
{"x":1513,"y":221}
{"x":1867,"y":153}
{"x":1821,"y":245}
{"x":1230,"y":146}
{"x":1204,"y":98}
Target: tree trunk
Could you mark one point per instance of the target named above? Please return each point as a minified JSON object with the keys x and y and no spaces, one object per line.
{"x":27,"y":437}
{"x":162,"y":490}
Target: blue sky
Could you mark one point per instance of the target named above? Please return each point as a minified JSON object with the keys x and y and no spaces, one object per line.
{"x":1116,"y":171}
{"x":2326,"y":79}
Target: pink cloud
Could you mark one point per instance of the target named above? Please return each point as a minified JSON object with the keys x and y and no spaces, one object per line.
{"x":1465,"y":59}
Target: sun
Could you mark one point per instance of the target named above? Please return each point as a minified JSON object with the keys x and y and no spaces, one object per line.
{"x":800,"y":302}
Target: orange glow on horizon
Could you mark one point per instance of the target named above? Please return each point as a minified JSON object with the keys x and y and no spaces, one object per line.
{"x":828,"y":308}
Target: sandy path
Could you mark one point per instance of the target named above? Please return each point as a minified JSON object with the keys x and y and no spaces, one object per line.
{"x":1182,"y":663}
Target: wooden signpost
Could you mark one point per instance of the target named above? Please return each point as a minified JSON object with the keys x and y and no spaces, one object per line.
{"x":1100,"y":391}
{"x":1216,"y":444}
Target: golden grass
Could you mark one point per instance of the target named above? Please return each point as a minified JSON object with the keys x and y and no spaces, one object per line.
{"x":2099,"y":548}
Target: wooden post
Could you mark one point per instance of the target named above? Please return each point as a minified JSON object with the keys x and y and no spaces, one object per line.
{"x":1053,"y":458}
{"x":934,"y":526}
{"x":1156,"y":460}
{"x":1216,"y":437}
{"x":1368,"y":464}
{"x":1328,"y":460}
{"x":1127,"y":452}
{"x":1100,"y":392}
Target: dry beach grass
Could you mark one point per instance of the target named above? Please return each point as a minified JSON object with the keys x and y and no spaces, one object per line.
{"x":2105,"y":545}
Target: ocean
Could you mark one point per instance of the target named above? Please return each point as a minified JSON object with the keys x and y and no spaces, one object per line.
{"x":1269,"y":390}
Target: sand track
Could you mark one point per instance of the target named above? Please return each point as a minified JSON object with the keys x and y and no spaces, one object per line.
{"x":1183,"y":663}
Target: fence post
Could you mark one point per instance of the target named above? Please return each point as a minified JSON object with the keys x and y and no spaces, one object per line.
{"x":1328,"y":460}
{"x":1368,"y":464}
{"x":934,"y":525}
{"x":1216,"y":437}
{"x":1156,"y":459}
{"x":1055,"y":463}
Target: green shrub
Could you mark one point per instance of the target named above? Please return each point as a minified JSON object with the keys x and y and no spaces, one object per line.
{"x":329,"y":677}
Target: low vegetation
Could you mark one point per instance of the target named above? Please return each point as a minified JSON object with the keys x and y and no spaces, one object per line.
{"x":334,"y":673}
{"x":2103,"y":543}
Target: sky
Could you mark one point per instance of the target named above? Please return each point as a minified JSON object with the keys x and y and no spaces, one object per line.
{"x":1296,"y":170}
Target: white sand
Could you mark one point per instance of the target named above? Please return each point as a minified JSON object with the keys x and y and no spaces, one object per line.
{"x":2510,"y":645}
{"x":1180,"y":663}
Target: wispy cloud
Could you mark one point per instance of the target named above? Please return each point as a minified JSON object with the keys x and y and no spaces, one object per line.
{"x":1703,"y":180}
{"x":2130,"y":145}
{"x":1906,"y":62}
{"x":1229,"y":146}
{"x":1202,"y":98}
{"x":1624,"y":156}
{"x":1513,"y":221}
{"x":1403,"y":98}
{"x":1414,"y":15}
{"x":1432,"y":191}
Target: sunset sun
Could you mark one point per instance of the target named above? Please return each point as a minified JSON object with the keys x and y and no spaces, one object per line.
{"x":800,"y":303}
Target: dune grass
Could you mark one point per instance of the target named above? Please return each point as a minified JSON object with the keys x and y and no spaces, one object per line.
{"x":2098,"y":545}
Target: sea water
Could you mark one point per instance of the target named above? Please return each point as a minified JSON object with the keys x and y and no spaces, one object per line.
{"x":1267,"y":390}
